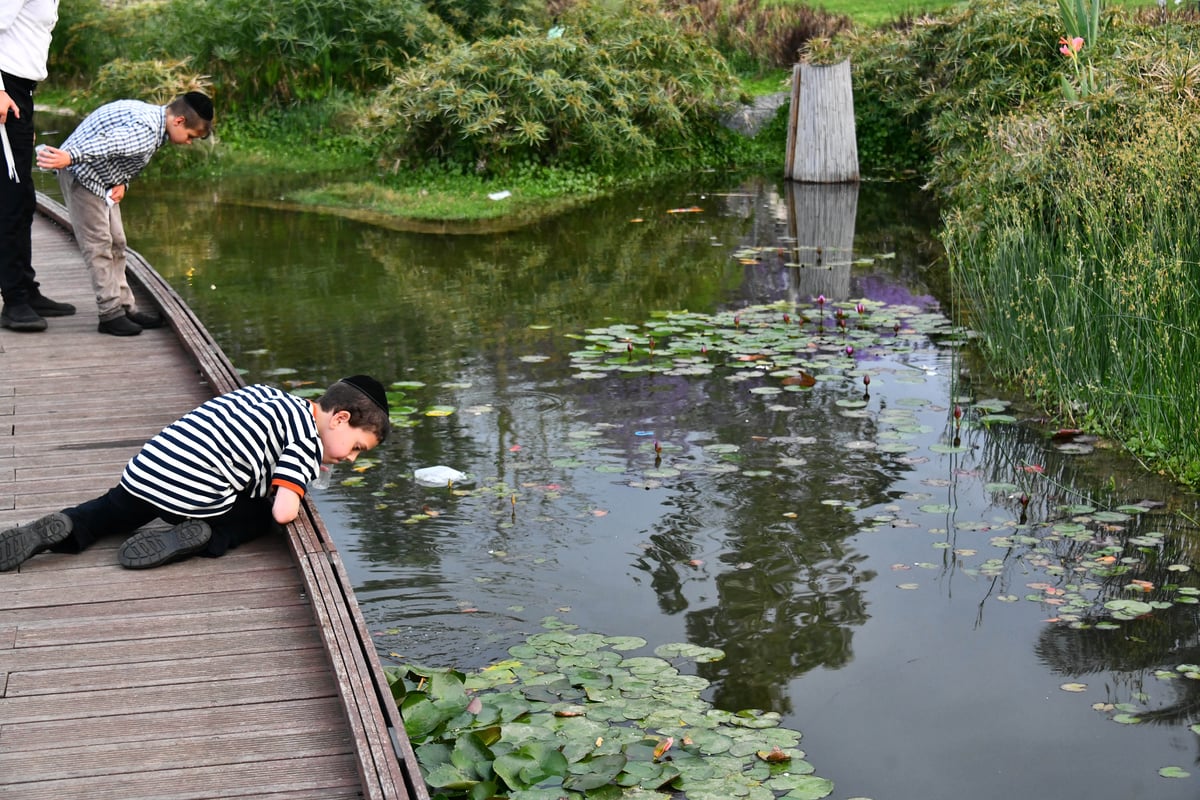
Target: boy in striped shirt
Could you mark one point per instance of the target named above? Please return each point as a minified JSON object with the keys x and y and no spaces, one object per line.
{"x":222,"y":474}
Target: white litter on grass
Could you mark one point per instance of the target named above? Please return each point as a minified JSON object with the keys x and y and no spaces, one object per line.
{"x":439,"y":476}
{"x":500,"y":195}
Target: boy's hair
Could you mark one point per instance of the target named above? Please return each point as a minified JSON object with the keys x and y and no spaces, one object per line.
{"x":365,"y":399}
{"x":196,"y":109}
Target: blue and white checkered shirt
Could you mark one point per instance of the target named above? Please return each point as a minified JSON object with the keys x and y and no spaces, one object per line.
{"x":114,"y":143}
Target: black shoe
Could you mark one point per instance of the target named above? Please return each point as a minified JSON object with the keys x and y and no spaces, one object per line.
{"x":157,"y":547}
{"x":18,"y":544}
{"x":145,"y":319}
{"x":120,"y":326}
{"x":21,"y":317}
{"x":50,"y":308}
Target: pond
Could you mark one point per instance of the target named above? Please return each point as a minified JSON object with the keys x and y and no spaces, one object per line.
{"x":665,"y":435}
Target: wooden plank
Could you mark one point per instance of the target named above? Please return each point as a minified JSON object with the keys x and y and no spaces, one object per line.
{"x":328,"y":773}
{"x":214,"y":694}
{"x":137,"y":608}
{"x":180,"y":673}
{"x":164,"y":753}
{"x":141,"y":651}
{"x":308,"y":714}
{"x":190,"y":626}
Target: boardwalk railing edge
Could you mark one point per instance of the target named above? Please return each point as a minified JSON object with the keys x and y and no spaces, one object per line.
{"x":386,"y":761}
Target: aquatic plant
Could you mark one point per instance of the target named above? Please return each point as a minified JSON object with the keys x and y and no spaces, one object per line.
{"x":569,"y":715}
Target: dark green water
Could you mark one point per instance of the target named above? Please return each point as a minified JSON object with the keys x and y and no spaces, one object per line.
{"x":866,"y":578}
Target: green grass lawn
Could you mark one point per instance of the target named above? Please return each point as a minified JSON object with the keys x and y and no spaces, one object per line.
{"x":877,"y":12}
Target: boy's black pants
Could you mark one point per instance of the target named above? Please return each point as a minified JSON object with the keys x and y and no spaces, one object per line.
{"x":119,"y":512}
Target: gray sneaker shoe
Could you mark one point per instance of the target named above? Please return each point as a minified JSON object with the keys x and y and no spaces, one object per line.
{"x":18,"y":544}
{"x":154,"y":548}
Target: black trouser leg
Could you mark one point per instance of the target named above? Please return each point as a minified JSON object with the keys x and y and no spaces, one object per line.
{"x":18,"y":199}
{"x":116,"y":511}
{"x":249,"y":518}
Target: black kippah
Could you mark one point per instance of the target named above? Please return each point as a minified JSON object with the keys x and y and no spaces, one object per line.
{"x":201,"y":104}
{"x":371,"y":388}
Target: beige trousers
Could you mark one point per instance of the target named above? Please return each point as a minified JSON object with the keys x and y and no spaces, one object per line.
{"x":101,"y":238}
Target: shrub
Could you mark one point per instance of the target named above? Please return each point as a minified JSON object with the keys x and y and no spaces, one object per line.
{"x":611,"y":88}
{"x":924,"y":90}
{"x":754,"y":34}
{"x":485,"y":19}
{"x":89,"y":34}
{"x":1074,"y":248}
{"x":280,"y":51}
{"x":152,"y":81}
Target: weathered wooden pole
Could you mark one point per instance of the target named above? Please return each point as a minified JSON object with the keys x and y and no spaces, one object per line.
{"x":821,"y":146}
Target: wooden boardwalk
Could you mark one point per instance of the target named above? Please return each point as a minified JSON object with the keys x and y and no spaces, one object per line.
{"x":246,"y":676}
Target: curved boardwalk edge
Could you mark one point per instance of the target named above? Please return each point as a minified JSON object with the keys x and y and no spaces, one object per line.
{"x":386,"y":762}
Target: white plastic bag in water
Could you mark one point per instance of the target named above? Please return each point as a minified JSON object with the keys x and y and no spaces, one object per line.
{"x":438,"y":476}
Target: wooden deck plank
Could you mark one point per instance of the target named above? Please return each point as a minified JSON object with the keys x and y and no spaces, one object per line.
{"x":176,"y":752}
{"x":328,"y":773}
{"x":215,"y":694}
{"x":251,"y":675}
{"x":142,"y":651}
{"x":310,"y":714}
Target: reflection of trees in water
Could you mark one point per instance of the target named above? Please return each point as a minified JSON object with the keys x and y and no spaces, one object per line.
{"x":787,"y":595}
{"x":1159,"y":641}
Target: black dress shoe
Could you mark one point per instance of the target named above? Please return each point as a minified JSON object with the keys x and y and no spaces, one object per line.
{"x":21,"y":318}
{"x":50,"y":308}
{"x":120,"y":326}
{"x":145,"y":319}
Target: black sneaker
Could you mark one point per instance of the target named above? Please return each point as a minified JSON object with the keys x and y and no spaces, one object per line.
{"x":18,"y":544}
{"x":50,"y":308}
{"x":21,"y":317}
{"x":145,"y":319}
{"x":154,"y":548}
{"x":119,"y":326}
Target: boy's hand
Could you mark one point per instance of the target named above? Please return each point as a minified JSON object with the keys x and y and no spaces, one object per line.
{"x":286,"y":506}
{"x":52,"y":158}
{"x":7,"y":104}
{"x":117,"y":193}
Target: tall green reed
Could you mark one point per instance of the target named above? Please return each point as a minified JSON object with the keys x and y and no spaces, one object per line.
{"x":1084,"y":288}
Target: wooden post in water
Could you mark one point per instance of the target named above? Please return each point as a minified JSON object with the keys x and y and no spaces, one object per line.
{"x":821,"y":146}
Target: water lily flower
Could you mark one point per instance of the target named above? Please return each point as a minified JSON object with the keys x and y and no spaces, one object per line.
{"x":866,"y":380}
{"x":820,"y":300}
{"x":849,"y":350}
{"x":861,"y":308}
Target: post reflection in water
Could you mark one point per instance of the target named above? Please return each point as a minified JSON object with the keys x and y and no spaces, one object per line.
{"x":863,"y":576}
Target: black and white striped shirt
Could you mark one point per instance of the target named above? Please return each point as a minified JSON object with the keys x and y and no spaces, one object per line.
{"x":252,"y":438}
{"x":114,"y":143}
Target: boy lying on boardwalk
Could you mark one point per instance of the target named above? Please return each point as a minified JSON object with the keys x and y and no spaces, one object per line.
{"x":222,"y":474}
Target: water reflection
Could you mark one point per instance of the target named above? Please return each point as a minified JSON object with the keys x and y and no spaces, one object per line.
{"x":862,"y":575}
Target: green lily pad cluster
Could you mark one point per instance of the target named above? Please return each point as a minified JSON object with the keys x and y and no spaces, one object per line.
{"x":792,"y":343}
{"x":571,"y":715}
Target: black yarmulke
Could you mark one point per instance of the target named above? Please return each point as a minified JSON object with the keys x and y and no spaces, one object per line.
{"x":201,"y":104}
{"x":371,"y":388}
